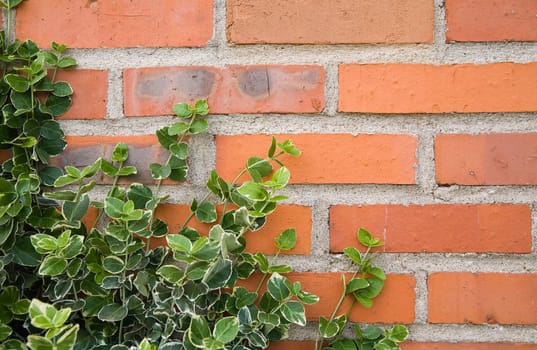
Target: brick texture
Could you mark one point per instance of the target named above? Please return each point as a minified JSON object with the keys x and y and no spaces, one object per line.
{"x":423,"y":88}
{"x":486,"y":20}
{"x":325,"y":22}
{"x":233,"y":89}
{"x":143,"y":150}
{"x":90,"y":93}
{"x":116,"y":23}
{"x":328,"y":158}
{"x":395,"y":304}
{"x":284,"y":217}
{"x":435,"y":228}
{"x":482,"y":298}
{"x":486,"y":159}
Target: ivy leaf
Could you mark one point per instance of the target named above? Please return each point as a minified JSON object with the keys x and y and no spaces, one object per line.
{"x":261,"y":166}
{"x":112,"y":313}
{"x":180,"y":150}
{"x":113,"y":264}
{"x":286,"y":240}
{"x":253,"y":191}
{"x":58,"y":105}
{"x":226,"y":329}
{"x":62,"y":89}
{"x":171,"y":273}
{"x":179,"y":243}
{"x":120,"y":153}
{"x":164,"y":137}
{"x":178,"y":128}
{"x":289,"y":148}
{"x":328,"y":329}
{"x":198,"y":126}
{"x":206,"y":212}
{"x":277,"y":287}
{"x":218,"y":274}
{"x":182,"y":110}
{"x":159,"y":172}
{"x":294,"y":312}
{"x":52,"y":266}
{"x":17,"y":82}
{"x":66,"y":62}
{"x":201,"y":107}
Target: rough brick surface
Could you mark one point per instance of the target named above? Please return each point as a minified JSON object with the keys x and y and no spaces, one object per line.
{"x":486,"y":159}
{"x":233,"y":89}
{"x":328,"y":22}
{"x":435,"y":228}
{"x":328,"y":158}
{"x":423,"y":88}
{"x":284,"y":217}
{"x":143,"y":150}
{"x":116,"y":23}
{"x":482,"y":298}
{"x":395,"y":304}
{"x":90,"y":93}
{"x":486,"y":20}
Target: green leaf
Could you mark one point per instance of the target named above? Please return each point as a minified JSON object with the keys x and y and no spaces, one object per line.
{"x":272,"y":148}
{"x":277,"y":286}
{"x":180,"y":150}
{"x":294,"y":312}
{"x":179,"y":243}
{"x":398,"y":333}
{"x":146,"y":345}
{"x":17,"y":82}
{"x":328,"y":329}
{"x":371,"y":332}
{"x":286,"y":240}
{"x":377,"y":272}
{"x":253,"y":191}
{"x":198,"y":330}
{"x":171,"y":273}
{"x":226,"y":329}
{"x":366,"y":302}
{"x":259,"y":165}
{"x":288,"y":147}
{"x":49,"y":174}
{"x":108,"y":168}
{"x":353,"y":254}
{"x":62,"y":89}
{"x":201,"y":107}
{"x":356,"y":284}
{"x":113,"y":207}
{"x":36,"y":342}
{"x":164,"y":138}
{"x":178,"y":128}
{"x":280,"y":178}
{"x":113,"y":313}
{"x":198,"y":126}
{"x":218,"y":274}
{"x":41,"y":314}
{"x":65,"y":180}
{"x":68,"y":339}
{"x":113,"y":264}
{"x":9,"y":296}
{"x":60,"y":317}
{"x":182,"y":110}
{"x":120,"y":153}
{"x":24,"y":253}
{"x":66,"y":62}
{"x":52,"y":266}
{"x":58,"y":105}
{"x":206,"y":212}
{"x":365,"y":238}
{"x":21,"y":307}
{"x":43,"y":243}
{"x":159,"y":172}
{"x":5,"y":331}
{"x":74,"y":211}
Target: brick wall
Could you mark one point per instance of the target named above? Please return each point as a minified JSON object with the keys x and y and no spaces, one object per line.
{"x":417,"y":120}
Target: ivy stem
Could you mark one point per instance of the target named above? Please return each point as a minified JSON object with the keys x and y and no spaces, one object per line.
{"x":265,"y":275}
{"x":191,"y":215}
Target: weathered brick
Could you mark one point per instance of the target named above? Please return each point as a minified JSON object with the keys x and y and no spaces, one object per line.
{"x":117,"y":23}
{"x":503,"y":298}
{"x":423,"y":88}
{"x":84,"y":150}
{"x":486,"y":159}
{"x":90,"y":93}
{"x":328,"y":158}
{"x":468,"y":346}
{"x":485,"y":20}
{"x":284,"y":217}
{"x":395,"y":304}
{"x":233,"y":89}
{"x":329,"y":22}
{"x":499,"y":228}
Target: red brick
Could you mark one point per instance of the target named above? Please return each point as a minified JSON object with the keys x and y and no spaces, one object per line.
{"x":4,"y":155}
{"x":292,"y":345}
{"x":84,"y":150}
{"x":233,"y":89}
{"x":90,"y":93}
{"x":486,"y":159}
{"x":329,"y":22}
{"x":468,"y":346}
{"x":499,"y":228}
{"x":395,"y":304}
{"x":284,"y":217}
{"x":90,"y":219}
{"x":423,"y":88}
{"x":116,"y":23}
{"x":328,"y":158}
{"x":478,"y":298}
{"x":485,"y":20}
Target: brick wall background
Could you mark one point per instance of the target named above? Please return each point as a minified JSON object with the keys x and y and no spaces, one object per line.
{"x":417,"y":121}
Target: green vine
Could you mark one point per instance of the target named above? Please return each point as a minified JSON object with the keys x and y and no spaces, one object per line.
{"x":64,"y":285}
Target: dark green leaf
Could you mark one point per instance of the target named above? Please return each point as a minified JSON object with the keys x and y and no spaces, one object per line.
{"x":58,"y":105}
{"x":272,"y":148}
{"x":328,"y":329}
{"x":171,"y":273}
{"x":259,"y":165}
{"x":218,"y":274}
{"x":164,"y":138}
{"x":74,"y":211}
{"x":206,"y":212}
{"x":113,"y":313}
{"x":49,"y":174}
{"x":62,"y":89}
{"x":113,"y":264}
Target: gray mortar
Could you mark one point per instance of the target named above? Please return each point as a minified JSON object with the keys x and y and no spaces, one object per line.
{"x":219,"y":53}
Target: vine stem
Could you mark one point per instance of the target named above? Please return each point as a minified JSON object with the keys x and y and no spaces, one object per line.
{"x":265,"y":275}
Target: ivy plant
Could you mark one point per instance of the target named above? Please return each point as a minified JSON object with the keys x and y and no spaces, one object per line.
{"x":69,"y":284}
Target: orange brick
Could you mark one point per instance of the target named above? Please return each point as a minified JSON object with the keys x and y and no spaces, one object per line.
{"x":90,"y":218}
{"x":423,"y":88}
{"x":395,"y":304}
{"x":4,"y":155}
{"x":328,"y":158}
{"x":284,"y":217}
{"x":117,"y":23}
{"x":468,"y":346}
{"x":485,"y":20}
{"x":499,"y":228}
{"x":486,"y":159}
{"x":233,"y":89}
{"x":90,"y":93}
{"x":491,"y":298}
{"x":329,"y":22}
{"x":84,"y":150}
